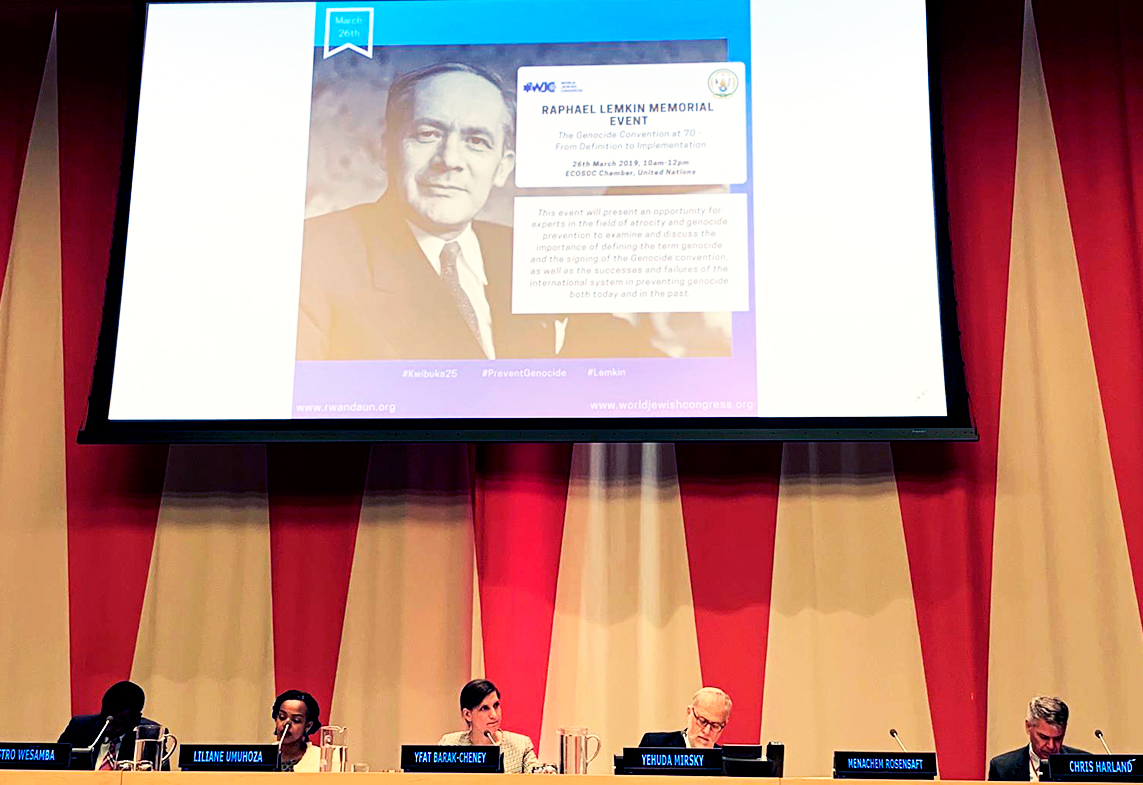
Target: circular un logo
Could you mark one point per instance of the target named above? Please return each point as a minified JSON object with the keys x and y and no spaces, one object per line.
{"x":723,"y":82}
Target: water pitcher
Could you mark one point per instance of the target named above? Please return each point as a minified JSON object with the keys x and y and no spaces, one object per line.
{"x":154,"y":746}
{"x":573,"y":750}
{"x":334,"y":752}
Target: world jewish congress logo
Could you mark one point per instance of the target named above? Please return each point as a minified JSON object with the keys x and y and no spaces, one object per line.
{"x":723,"y":82}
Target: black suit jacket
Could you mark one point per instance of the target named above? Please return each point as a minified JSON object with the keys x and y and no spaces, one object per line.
{"x":368,"y":293}
{"x":669,"y":739}
{"x":80,"y":734}
{"x":1013,"y":766}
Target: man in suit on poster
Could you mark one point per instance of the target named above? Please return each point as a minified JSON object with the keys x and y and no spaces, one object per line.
{"x":707,"y":716}
{"x":1046,"y":724}
{"x":414,"y":275}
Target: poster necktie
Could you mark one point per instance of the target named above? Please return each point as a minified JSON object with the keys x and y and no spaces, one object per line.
{"x":449,"y":274}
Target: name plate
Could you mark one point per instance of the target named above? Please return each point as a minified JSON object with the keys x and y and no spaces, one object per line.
{"x":435,"y":757}
{"x":885,"y":765}
{"x":228,"y":757}
{"x":672,"y":760}
{"x":1095,"y":768}
{"x":22,"y":755}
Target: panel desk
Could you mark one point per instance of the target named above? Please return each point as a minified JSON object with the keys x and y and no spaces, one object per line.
{"x":390,"y":778}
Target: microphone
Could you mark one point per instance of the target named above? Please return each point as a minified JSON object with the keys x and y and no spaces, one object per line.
{"x":492,"y":739}
{"x":98,"y":737}
{"x":776,"y":754}
{"x":282,"y":738}
{"x":1099,"y":735}
{"x":893,"y":733}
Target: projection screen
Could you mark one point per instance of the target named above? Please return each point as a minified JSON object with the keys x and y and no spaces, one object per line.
{"x":532,"y":219}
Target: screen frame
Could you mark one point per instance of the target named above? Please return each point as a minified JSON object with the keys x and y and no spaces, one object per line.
{"x":957,"y":425}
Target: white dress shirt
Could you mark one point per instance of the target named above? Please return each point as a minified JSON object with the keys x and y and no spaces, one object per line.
{"x":470,"y":271}
{"x":1033,"y":765}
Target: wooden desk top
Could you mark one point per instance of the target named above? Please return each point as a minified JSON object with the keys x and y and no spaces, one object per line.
{"x":373,"y":778}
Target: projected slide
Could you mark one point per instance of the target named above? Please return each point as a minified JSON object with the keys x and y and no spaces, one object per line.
{"x":466,"y":209}
{"x":541,"y":202}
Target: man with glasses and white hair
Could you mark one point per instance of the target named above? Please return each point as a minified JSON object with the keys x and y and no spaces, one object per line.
{"x":707,"y":716}
{"x":1046,"y":724}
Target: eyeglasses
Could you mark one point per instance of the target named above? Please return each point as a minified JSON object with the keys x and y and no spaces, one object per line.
{"x":705,"y":724}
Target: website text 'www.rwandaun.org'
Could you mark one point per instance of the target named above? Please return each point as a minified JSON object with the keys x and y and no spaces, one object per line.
{"x":346,"y":408}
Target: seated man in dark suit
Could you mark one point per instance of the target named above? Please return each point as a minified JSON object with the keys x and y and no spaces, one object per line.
{"x":1046,"y":724}
{"x":707,"y":716}
{"x":123,"y":706}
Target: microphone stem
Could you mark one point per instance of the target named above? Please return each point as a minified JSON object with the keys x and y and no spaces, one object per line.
{"x":281,"y":741}
{"x":98,"y":738}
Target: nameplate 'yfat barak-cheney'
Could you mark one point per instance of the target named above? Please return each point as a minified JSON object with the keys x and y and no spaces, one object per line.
{"x":431,"y":757}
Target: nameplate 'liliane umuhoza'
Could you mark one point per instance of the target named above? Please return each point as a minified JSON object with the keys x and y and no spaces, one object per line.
{"x":228,"y":757}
